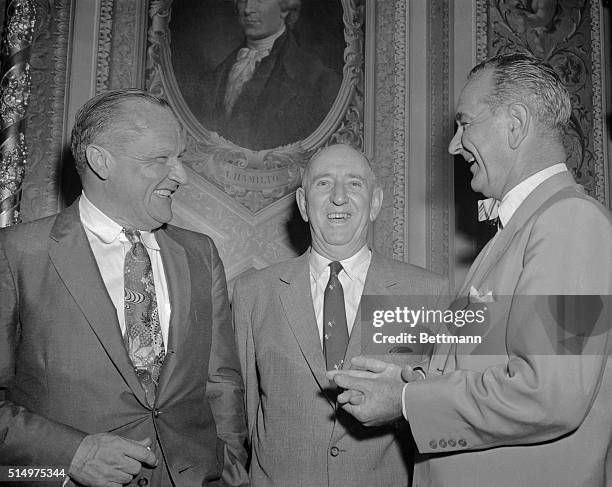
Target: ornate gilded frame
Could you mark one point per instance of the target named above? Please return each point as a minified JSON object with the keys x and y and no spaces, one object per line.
{"x":257,"y":179}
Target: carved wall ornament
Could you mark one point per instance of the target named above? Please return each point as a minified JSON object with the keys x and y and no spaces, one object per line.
{"x":14,"y":98}
{"x":42,"y":193}
{"x":257,"y":179}
{"x":105,"y":33}
{"x":565,"y":33}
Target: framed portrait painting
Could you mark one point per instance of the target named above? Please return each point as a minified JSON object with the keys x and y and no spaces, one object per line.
{"x":259,"y":85}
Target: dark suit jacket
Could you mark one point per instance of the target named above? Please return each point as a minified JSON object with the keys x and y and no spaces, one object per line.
{"x":65,"y":372}
{"x":286,"y":100}
{"x":297,"y":435}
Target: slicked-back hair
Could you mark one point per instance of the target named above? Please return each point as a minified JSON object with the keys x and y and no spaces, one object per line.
{"x":305,"y":182}
{"x":527,"y":79}
{"x":292,"y":7}
{"x":103,"y":119}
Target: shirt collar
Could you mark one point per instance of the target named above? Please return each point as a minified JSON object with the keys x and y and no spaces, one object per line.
{"x":515,"y":197}
{"x":353,"y":266}
{"x":106,"y":229}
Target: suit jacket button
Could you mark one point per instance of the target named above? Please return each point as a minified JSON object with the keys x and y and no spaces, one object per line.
{"x":452,"y":443}
{"x":442,"y":443}
{"x":334,"y":451}
{"x":433,"y":444}
{"x":156,"y":413}
{"x":142,"y":482}
{"x":462,"y":442}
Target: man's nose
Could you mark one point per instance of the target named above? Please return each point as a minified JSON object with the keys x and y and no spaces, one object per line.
{"x":249,"y":5}
{"x":177,"y":171}
{"x":338,"y":195}
{"x":455,"y":146}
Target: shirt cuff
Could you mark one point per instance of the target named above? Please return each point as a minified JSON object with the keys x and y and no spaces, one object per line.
{"x":421,"y":372}
{"x":404,"y":402}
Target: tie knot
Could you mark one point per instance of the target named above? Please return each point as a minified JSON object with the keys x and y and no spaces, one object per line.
{"x":132,"y":235}
{"x":336,"y":267}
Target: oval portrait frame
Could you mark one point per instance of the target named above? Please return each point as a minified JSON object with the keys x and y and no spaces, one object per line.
{"x":258,"y":178}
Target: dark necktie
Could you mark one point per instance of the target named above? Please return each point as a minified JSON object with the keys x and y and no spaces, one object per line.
{"x":335,"y":332}
{"x":143,"y":336}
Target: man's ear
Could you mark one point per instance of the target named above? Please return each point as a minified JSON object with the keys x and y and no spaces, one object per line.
{"x":376,"y":203}
{"x":98,"y":160}
{"x":519,"y":121}
{"x":300,"y":198}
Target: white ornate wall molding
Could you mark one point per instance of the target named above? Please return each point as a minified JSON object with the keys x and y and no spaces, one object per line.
{"x":412,"y":131}
{"x":42,"y":194}
{"x":15,"y":95}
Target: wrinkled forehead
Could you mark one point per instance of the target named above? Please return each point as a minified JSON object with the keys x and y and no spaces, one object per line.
{"x":144,"y":116}
{"x":339,"y":159}
{"x":477,"y":88}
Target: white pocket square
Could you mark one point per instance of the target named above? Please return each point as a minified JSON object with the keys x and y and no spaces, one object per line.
{"x":480,"y":297}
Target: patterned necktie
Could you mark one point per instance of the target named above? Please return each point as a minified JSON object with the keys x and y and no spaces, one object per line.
{"x":143,"y":336}
{"x":335,"y":332}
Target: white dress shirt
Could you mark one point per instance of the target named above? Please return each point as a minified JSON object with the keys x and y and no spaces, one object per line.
{"x":352,"y":277}
{"x":513,"y":199}
{"x":109,"y":246}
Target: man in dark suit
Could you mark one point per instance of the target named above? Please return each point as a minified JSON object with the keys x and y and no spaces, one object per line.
{"x":117,"y":359}
{"x":269,"y":92}
{"x":297,"y":319}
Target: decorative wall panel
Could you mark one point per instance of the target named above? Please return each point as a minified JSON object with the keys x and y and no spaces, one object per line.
{"x":392,"y":233}
{"x":565,"y":33}
{"x":42,"y":190}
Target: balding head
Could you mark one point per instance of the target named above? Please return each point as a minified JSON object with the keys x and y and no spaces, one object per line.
{"x":339,"y":198}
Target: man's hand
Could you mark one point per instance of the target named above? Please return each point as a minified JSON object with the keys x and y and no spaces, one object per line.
{"x":373,"y":389}
{"x":105,"y":460}
{"x":373,"y":402}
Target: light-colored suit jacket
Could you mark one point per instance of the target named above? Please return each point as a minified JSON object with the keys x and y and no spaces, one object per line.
{"x":65,"y":372}
{"x":298,"y":438}
{"x":536,"y":409}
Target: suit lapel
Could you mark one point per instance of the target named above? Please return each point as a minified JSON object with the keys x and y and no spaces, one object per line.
{"x":378,"y":282}
{"x":75,"y":263}
{"x":176,"y":269}
{"x":486,"y":261}
{"x":299,"y":311}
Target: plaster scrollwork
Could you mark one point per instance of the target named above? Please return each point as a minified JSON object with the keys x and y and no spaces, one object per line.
{"x":41,"y":195}
{"x":103,"y":55}
{"x":130,"y":19}
{"x":565,"y":34}
{"x":257,"y":179}
{"x":14,"y":99}
{"x":439,"y":159}
{"x":399,"y":131}
{"x":482,"y":28}
{"x":599,"y":139}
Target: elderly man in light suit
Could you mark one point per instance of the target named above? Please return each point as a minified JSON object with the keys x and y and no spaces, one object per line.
{"x":117,"y":357}
{"x":287,"y":335}
{"x":532,"y":407}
